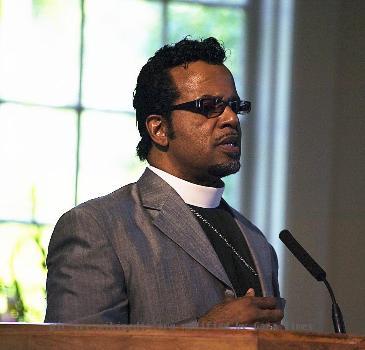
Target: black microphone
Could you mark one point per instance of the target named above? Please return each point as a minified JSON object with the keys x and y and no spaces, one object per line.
{"x":317,"y":272}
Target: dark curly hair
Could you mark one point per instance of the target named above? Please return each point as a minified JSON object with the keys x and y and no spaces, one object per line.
{"x":156,"y":92}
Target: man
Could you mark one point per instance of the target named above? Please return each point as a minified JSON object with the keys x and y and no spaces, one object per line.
{"x":167,"y":249}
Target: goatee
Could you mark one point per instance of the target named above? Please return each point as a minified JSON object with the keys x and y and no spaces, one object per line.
{"x":224,"y":169}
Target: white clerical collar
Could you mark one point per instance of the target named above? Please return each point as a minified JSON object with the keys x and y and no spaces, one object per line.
{"x":193,"y":194}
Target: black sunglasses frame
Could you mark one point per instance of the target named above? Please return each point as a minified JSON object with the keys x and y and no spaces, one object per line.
{"x":197,"y":106}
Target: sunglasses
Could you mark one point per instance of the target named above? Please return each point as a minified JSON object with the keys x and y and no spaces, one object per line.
{"x":213,"y":106}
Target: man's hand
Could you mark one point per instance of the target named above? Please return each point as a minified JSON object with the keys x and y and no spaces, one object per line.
{"x":245,"y":310}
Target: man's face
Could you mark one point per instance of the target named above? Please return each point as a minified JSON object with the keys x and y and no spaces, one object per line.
{"x":204,"y":149}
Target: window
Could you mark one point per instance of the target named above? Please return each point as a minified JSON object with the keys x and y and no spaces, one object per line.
{"x":68,"y":69}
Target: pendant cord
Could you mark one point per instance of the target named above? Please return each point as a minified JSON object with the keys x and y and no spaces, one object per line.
{"x":205,"y":221}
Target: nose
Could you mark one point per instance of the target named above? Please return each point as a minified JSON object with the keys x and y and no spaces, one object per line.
{"x":229,"y":119}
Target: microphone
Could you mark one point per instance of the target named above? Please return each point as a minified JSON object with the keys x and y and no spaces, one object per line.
{"x":317,"y":272}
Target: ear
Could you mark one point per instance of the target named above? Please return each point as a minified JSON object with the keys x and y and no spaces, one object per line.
{"x":158,"y":130}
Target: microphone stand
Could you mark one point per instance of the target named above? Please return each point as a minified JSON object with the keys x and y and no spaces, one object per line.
{"x":337,"y":318}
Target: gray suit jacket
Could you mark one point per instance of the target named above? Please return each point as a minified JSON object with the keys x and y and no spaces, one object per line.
{"x":138,"y":255}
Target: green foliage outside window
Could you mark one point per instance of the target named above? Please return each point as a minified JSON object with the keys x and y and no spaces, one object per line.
{"x":22,"y":289}
{"x":22,"y":257}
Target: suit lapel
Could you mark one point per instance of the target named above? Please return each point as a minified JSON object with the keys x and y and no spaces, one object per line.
{"x":259,"y":250}
{"x":175,"y":220}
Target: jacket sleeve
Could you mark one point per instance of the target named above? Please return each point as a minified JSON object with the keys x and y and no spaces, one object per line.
{"x":85,"y":281}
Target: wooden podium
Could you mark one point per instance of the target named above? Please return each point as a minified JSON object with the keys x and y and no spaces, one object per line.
{"x":15,"y":336}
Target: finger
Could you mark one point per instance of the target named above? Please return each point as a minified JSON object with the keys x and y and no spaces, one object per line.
{"x":270,"y":315}
{"x":250,"y":292}
{"x":265,"y":302}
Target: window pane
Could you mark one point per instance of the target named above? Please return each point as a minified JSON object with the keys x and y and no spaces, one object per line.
{"x":39,"y":45}
{"x":108,"y":153}
{"x":22,"y":255}
{"x":37,"y":152}
{"x":226,"y":24}
{"x":120,"y":36}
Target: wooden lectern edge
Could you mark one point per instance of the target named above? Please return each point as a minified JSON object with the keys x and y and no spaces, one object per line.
{"x":157,"y":330}
{"x":78,"y":336}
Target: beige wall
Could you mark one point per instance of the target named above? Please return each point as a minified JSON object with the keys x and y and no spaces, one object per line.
{"x":348,"y":209}
{"x":326,"y":176}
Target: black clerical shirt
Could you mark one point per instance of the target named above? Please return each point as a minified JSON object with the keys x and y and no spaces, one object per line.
{"x":222,"y":220}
